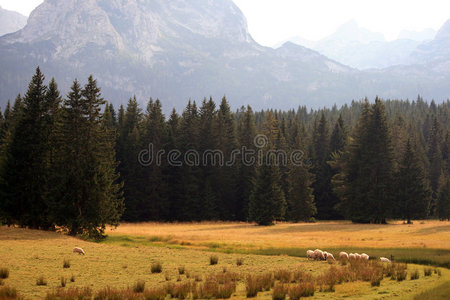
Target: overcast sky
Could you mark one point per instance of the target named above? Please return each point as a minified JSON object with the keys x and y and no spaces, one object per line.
{"x":272,"y":21}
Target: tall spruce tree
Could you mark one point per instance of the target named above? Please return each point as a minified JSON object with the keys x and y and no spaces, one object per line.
{"x":90,"y":195}
{"x":435,"y":159}
{"x":443,"y":201}
{"x":24,"y":187}
{"x":412,"y":193}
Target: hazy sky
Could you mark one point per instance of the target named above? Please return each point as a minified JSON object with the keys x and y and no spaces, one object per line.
{"x":272,"y":21}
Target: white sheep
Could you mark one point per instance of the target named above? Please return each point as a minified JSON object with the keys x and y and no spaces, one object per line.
{"x":343,"y":255}
{"x":318,"y":254}
{"x":78,"y":250}
{"x":384,"y":259}
{"x":325,"y":255}
{"x":310,"y":254}
{"x":358,"y":256}
{"x":364,"y":257}
{"x":351,"y":256}
{"x":330,"y":257}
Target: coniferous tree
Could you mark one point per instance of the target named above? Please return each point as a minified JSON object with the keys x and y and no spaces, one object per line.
{"x":25,"y":171}
{"x":412,"y":193}
{"x":435,"y":159}
{"x":267,"y":201}
{"x":443,"y":201}
{"x":247,"y":134}
{"x":90,"y":195}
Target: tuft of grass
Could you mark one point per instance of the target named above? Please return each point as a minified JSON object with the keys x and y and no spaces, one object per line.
{"x":181,"y":270}
{"x":1,"y":282}
{"x":156,"y":267}
{"x":66,"y":264}
{"x":167,"y":276}
{"x":251,"y":286}
{"x":41,"y":281}
{"x":4,"y":273}
{"x":72,"y":278}
{"x":213,"y":259}
{"x":239,"y":261}
{"x":71,"y":293}
{"x":7,"y":293}
{"x":427,"y":271}
{"x":302,"y":289}
{"x":139,"y":286}
{"x":155,"y":294}
{"x":180,"y":291}
{"x":63,"y":281}
{"x":414,"y":275}
{"x":283,"y":275}
{"x":279,"y":292}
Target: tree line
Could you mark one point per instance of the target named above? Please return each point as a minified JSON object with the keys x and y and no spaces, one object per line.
{"x":73,"y":162}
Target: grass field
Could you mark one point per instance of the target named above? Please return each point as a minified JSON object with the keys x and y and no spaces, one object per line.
{"x":127,"y":254}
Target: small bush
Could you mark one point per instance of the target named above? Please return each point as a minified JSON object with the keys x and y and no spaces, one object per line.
{"x":279,"y":292}
{"x":302,"y":289}
{"x":72,"y":278}
{"x":41,"y":281}
{"x":180,"y":291}
{"x":139,"y":286}
{"x":283,"y":275}
{"x":66,"y":264}
{"x":414,"y":275}
{"x":213,"y":260}
{"x":181,"y":270}
{"x":156,"y":267}
{"x":251,"y":286}
{"x":63,"y":281}
{"x":71,"y":293}
{"x":155,"y":294}
{"x":239,"y":261}
{"x":376,"y":279}
{"x":427,"y":271}
{"x":7,"y":292}
{"x":4,"y":273}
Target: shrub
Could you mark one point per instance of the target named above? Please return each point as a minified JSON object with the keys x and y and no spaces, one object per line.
{"x":155,"y":294}
{"x":376,"y":279}
{"x":7,"y":292}
{"x":213,"y":260}
{"x":283,"y":275}
{"x":41,"y":281}
{"x":279,"y":292}
{"x":251,"y":286}
{"x":156,"y":267}
{"x":180,"y":290}
{"x":239,"y":261}
{"x":181,"y":270}
{"x":63,"y":281}
{"x":302,"y":289}
{"x":66,"y":264}
{"x":300,"y":276}
{"x":427,"y":271}
{"x":71,"y":293}
{"x":4,"y":273}
{"x":400,"y":272}
{"x":415,"y":275}
{"x":139,"y":286}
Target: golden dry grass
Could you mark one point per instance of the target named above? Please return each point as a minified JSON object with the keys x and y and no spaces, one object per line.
{"x":427,"y":234}
{"x":29,"y":254}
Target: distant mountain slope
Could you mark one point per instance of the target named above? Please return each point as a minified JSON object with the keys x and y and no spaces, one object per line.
{"x":11,"y":21}
{"x":175,"y":50}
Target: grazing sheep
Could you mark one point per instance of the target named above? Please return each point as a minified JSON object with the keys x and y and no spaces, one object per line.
{"x":351,"y":256}
{"x":325,"y":255}
{"x":364,"y":257}
{"x":310,"y":254}
{"x":78,"y":250}
{"x":358,"y":256}
{"x":330,"y":256}
{"x":318,"y":255}
{"x":384,"y":259}
{"x":343,"y":255}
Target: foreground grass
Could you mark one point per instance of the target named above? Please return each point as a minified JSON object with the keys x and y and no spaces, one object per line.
{"x":121,"y":261}
{"x":440,"y":292}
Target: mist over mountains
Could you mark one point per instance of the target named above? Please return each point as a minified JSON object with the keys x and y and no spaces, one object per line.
{"x":11,"y":21}
{"x":176,"y":50}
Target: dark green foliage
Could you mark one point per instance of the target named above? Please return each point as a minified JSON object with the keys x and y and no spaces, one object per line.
{"x":443,"y":202}
{"x":412,"y":193}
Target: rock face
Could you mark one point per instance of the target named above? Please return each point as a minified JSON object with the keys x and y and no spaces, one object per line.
{"x":11,"y":21}
{"x":181,"y":49}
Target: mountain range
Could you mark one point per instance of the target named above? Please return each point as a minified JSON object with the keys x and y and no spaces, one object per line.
{"x":181,"y":49}
{"x":11,"y":21}
{"x":361,"y":48}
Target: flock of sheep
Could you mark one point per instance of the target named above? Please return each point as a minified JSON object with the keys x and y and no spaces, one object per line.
{"x":324,"y":255}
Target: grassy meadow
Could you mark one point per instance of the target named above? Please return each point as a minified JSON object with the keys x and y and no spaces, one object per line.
{"x":126,"y":256}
